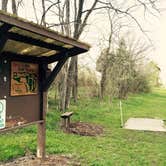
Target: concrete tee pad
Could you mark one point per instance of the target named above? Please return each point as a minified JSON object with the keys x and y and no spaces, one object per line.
{"x":145,"y":124}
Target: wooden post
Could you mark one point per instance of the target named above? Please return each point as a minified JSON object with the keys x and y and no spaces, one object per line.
{"x":68,"y":122}
{"x":41,"y":135}
{"x":121,"y":113}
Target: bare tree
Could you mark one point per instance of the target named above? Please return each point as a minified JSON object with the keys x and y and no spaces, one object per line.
{"x":35,"y":13}
{"x":14,"y":7}
{"x":65,"y":21}
{"x":71,"y":25}
{"x":4,"y":5}
{"x":80,"y":22}
{"x":72,"y":19}
{"x":14,"y":4}
{"x":43,"y":19}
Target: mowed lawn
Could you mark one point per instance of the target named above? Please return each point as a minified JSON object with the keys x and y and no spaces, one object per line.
{"x":116,"y":146}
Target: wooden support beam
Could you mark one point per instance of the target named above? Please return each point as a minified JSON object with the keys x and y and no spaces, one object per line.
{"x":41,"y":132}
{"x":3,"y":40}
{"x":5,"y":27}
{"x":54,"y":73}
{"x":33,"y":41}
{"x":3,"y":35}
{"x":23,"y":58}
{"x":59,"y":56}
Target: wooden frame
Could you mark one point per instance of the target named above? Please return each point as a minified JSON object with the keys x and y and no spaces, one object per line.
{"x":21,"y":126}
{"x":61,"y":55}
{"x":3,"y":35}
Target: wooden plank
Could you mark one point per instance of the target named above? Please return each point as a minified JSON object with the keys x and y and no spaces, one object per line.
{"x":21,"y":126}
{"x":26,"y":25}
{"x":5,"y":28}
{"x":66,"y":114}
{"x":54,"y":73}
{"x":33,"y":41}
{"x":30,"y":58}
{"x":59,"y":56}
{"x":23,"y":58}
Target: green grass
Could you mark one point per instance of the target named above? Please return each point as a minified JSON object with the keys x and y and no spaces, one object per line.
{"x":116,"y":146}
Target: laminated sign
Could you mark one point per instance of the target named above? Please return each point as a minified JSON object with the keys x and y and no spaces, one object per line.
{"x":24,"y":78}
{"x":2,"y":113}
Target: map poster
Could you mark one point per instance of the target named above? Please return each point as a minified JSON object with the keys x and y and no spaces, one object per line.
{"x":2,"y":113}
{"x":24,"y":78}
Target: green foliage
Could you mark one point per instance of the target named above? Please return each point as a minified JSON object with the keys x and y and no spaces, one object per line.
{"x":116,"y":146}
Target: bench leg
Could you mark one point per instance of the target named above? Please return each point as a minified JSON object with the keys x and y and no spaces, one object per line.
{"x":68,"y":122}
{"x":63,"y":122}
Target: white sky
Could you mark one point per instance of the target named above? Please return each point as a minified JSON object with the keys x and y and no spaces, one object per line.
{"x":99,"y":28}
{"x":160,"y":37}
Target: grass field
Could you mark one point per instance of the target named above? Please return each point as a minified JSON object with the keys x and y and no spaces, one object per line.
{"x":116,"y":146}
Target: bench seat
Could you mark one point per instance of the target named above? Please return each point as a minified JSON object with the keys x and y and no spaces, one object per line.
{"x":66,"y":119}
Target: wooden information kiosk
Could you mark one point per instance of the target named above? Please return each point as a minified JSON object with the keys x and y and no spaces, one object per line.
{"x":26,"y":49}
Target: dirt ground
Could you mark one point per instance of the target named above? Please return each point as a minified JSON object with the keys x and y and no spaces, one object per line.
{"x":85,"y":129}
{"x":52,"y":160}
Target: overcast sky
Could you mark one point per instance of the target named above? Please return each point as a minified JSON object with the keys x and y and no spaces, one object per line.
{"x":160,"y":38}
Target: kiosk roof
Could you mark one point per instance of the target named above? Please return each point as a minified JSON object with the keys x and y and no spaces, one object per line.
{"x":21,"y":37}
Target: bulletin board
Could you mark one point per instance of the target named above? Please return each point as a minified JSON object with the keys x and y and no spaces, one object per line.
{"x":20,"y":94}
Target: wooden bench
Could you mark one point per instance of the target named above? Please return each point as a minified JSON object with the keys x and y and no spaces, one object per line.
{"x":66,"y":119}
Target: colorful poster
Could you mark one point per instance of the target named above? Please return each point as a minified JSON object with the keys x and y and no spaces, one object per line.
{"x":24,"y":78}
{"x":2,"y":113}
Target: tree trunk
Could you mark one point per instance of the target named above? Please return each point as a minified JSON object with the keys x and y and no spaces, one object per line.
{"x":64,"y":91}
{"x":103,"y":83}
{"x":4,"y":5}
{"x":43,"y":19}
{"x":69,"y":82}
{"x":79,"y":24}
{"x":63,"y":87}
{"x":14,"y":8}
{"x":75,"y":83}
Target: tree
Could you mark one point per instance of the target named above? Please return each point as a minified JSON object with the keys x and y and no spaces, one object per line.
{"x":77,"y":22}
{"x":117,"y":15}
{"x":14,"y":8}
{"x":14,"y":4}
{"x":71,"y":25}
{"x":71,"y":17}
{"x":4,"y":5}
{"x":153,"y":74}
{"x":121,"y":72}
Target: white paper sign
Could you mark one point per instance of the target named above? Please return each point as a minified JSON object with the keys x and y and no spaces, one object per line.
{"x":2,"y":113}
